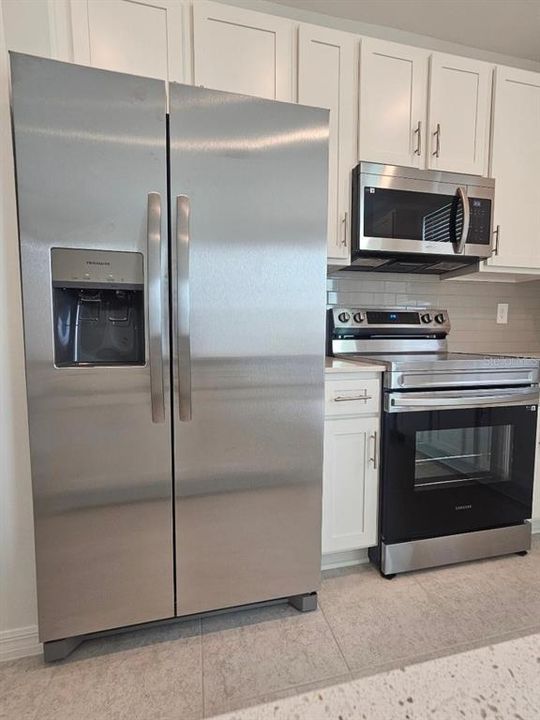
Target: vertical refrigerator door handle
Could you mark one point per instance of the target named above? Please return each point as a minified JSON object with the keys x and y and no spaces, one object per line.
{"x":183,"y":239}
{"x":155,"y":309}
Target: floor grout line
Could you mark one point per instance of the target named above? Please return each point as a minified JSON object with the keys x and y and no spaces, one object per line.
{"x":334,"y":636}
{"x":203,"y":699}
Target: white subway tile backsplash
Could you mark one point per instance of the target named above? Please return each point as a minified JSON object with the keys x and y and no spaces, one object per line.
{"x":472,"y":306}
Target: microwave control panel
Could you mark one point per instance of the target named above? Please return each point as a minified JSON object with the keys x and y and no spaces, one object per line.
{"x":480,"y":227}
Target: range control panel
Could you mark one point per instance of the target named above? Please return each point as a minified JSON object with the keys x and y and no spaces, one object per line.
{"x":352,"y":319}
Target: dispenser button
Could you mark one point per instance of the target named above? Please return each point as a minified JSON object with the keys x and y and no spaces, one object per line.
{"x":87,"y":276}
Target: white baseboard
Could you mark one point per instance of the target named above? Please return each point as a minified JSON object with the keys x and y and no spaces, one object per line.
{"x":20,"y":642}
{"x":346,"y":558}
{"x":535,"y":525}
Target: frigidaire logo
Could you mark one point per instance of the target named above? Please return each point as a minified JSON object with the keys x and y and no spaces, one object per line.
{"x":463,"y":507}
{"x":97,"y":262}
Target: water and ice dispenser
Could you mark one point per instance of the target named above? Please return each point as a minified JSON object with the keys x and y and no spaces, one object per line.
{"x":98,"y":307}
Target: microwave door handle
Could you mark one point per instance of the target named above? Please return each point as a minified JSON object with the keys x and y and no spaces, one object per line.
{"x":462,"y":192}
{"x":154,"y":290}
{"x":183,"y":336}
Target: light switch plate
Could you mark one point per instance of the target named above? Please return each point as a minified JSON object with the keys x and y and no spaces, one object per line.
{"x":502,"y":313}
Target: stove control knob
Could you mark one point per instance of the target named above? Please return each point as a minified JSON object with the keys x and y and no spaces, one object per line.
{"x":426,"y":318}
{"x":358,"y":317}
{"x":344,"y":317}
{"x":439,"y":318}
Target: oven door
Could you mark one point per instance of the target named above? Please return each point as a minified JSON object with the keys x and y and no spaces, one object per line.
{"x":456,"y":462}
{"x":411,"y":215}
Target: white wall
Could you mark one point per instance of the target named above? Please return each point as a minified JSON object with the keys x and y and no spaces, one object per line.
{"x":17,"y":581}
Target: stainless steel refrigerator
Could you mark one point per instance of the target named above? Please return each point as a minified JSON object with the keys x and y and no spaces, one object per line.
{"x":173,"y":260}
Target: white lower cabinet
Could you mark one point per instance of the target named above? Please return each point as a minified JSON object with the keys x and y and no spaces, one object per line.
{"x":350,"y":478}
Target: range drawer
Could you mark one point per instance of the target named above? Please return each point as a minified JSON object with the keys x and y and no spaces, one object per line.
{"x":357,"y":396}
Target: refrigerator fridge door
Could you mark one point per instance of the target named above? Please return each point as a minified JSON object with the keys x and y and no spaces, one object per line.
{"x":91,"y":176}
{"x":248,"y":205}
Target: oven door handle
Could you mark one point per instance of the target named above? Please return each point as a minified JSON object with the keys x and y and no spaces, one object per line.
{"x":442,"y":400}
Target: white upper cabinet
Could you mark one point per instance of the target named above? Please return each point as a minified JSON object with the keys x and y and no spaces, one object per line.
{"x":459,"y":113}
{"x":242,"y":51}
{"x":327,"y":62}
{"x":146,"y":37}
{"x":515,"y":161}
{"x":406,"y":118}
{"x":393,"y":94}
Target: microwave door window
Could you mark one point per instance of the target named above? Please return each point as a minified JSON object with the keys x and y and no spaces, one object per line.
{"x":445,"y":224}
{"x":408,"y":215}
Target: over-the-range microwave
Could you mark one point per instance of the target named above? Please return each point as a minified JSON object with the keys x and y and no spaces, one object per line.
{"x":419,"y":221}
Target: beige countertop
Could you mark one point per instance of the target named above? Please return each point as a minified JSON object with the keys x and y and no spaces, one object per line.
{"x":519,"y":354}
{"x":337,"y":365}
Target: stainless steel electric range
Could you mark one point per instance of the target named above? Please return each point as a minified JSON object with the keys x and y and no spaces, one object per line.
{"x":458,"y":439}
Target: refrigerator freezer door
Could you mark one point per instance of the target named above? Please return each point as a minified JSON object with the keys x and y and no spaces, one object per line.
{"x":91,"y":157}
{"x":248,"y":205}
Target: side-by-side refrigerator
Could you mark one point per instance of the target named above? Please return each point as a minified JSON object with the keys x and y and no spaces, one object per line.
{"x":173,"y":255}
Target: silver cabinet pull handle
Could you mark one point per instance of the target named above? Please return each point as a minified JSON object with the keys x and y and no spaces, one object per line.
{"x":437,"y":135}
{"x":345,"y":229}
{"x":154,"y":292}
{"x":496,"y":234}
{"x":183,"y":240}
{"x":374,"y":459}
{"x":462,"y":192}
{"x":418,"y":133}
{"x":347,"y":398}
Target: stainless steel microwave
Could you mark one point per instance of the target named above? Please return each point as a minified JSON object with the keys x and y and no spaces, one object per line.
{"x":409,"y":220}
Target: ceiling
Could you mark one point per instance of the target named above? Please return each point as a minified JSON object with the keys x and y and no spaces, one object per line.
{"x":511,"y":27}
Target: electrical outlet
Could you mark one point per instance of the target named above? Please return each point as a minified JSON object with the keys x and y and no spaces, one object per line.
{"x":502,"y":313}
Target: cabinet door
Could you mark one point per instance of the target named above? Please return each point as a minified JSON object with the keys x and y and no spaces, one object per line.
{"x":146,"y":37}
{"x":242,"y":51}
{"x":350,"y":483}
{"x":393,"y":92}
{"x":515,"y":161}
{"x":326,"y":78}
{"x":459,"y":113}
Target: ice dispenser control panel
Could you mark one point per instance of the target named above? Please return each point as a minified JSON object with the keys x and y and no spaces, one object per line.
{"x":96,"y":267}
{"x":98,"y":307}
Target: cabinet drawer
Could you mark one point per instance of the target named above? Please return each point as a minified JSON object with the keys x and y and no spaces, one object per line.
{"x":352,"y":397}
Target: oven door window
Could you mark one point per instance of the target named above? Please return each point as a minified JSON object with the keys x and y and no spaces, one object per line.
{"x":446,"y":458}
{"x":450,"y":471}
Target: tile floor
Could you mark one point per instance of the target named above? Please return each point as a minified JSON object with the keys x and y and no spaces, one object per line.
{"x":200,"y":668}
